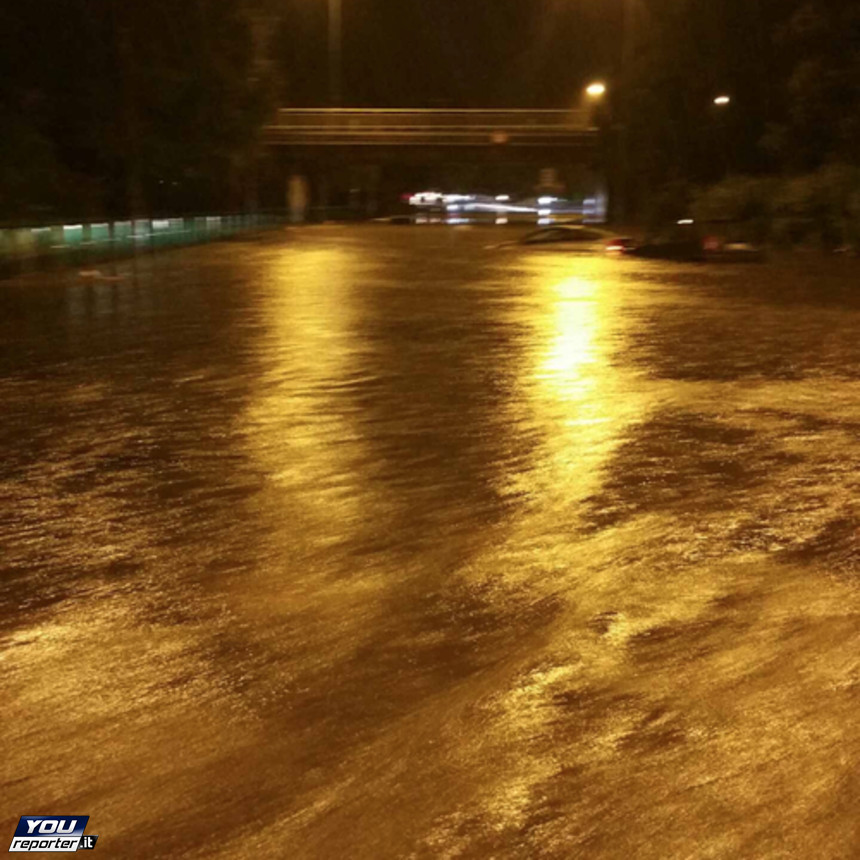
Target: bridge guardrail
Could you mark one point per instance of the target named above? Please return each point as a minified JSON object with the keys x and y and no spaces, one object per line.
{"x":369,"y":126}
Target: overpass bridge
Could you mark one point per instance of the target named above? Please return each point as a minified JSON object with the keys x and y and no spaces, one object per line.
{"x":366,"y":158}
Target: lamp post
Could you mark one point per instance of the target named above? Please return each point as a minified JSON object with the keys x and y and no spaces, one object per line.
{"x":721,"y":104}
{"x":600,"y":120}
{"x":594,"y":96}
{"x":335,"y":51}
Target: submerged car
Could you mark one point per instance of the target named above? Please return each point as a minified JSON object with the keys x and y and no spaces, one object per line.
{"x":734,"y":252}
{"x":562,"y":233}
{"x":620,"y":245}
{"x":683,"y":242}
{"x":682,"y":250}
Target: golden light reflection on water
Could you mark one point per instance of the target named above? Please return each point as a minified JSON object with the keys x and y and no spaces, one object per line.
{"x":583,"y":401}
{"x":575,"y":341}
{"x":569,"y":377}
{"x":304,"y":434}
{"x":580,"y":397}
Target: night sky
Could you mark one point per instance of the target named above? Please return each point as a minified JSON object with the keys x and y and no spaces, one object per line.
{"x":451,"y":53}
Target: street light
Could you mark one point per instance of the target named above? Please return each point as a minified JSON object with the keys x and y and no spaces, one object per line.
{"x":599,"y":120}
{"x":722,"y":101}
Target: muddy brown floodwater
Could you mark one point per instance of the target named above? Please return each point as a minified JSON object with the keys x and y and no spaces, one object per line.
{"x":380,"y":543}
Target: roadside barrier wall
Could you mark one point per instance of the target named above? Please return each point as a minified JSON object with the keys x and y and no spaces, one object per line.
{"x":25,"y":248}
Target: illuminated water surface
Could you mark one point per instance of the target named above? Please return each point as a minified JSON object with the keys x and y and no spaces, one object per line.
{"x":381,"y":542}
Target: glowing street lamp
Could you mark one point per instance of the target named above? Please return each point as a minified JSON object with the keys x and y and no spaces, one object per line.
{"x":722,"y":101}
{"x":596,"y":90}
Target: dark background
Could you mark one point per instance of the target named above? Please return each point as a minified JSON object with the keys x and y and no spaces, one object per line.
{"x":451,"y":53}
{"x":110,"y":108}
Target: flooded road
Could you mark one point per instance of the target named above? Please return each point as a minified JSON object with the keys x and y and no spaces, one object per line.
{"x":379,"y":543}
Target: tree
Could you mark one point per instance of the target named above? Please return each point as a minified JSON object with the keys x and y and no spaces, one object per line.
{"x":157,"y":103}
{"x":822,"y":118}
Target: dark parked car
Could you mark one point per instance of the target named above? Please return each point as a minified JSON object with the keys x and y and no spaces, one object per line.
{"x":562,"y":233}
{"x":685,"y":242}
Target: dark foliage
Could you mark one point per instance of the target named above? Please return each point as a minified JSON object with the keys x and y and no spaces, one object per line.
{"x":123,"y":108}
{"x":791,"y":67}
